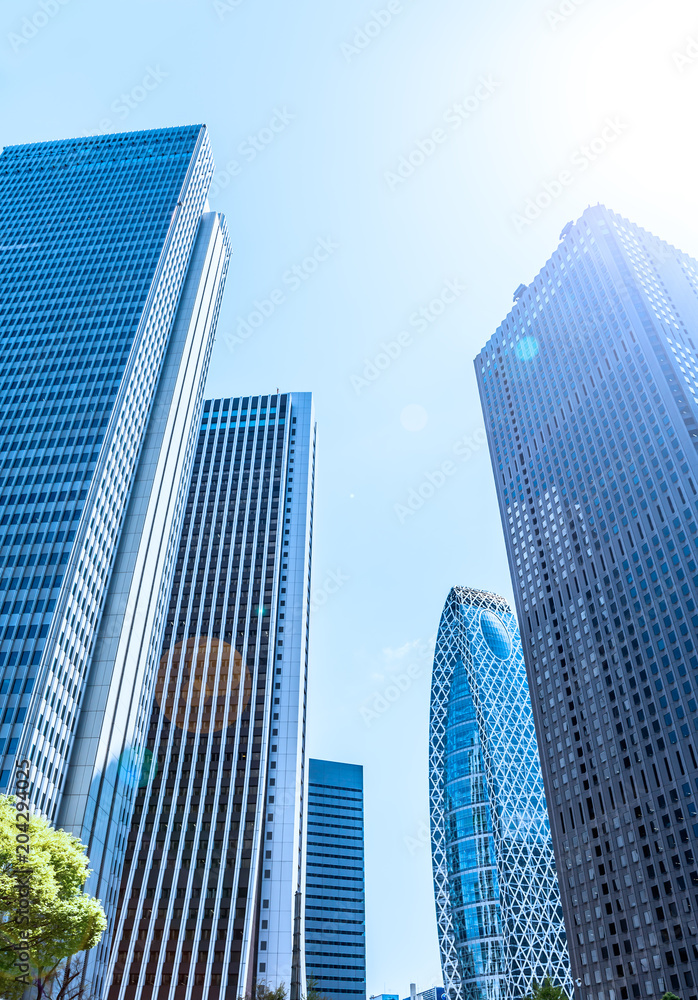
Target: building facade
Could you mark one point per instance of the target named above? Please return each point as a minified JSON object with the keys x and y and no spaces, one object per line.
{"x":498,"y":906}
{"x":210,"y":895}
{"x":434,"y":993}
{"x":590,"y":393}
{"x":112,"y":275}
{"x":335,"y":920}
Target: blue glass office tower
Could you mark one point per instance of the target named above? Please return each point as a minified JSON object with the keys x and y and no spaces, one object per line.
{"x":335,"y":930}
{"x":210,"y":893}
{"x":590,"y":393}
{"x":498,"y":906}
{"x":111,"y":280}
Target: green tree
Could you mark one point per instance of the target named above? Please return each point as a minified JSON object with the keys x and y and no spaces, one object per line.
{"x":263,"y":992}
{"x":546,"y":990}
{"x":45,"y":916}
{"x":670,"y":996}
{"x":314,"y":990}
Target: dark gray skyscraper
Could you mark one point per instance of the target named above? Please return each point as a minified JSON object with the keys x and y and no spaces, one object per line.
{"x":590,"y":395}
{"x":210,"y":896}
{"x":335,"y":931}
{"x":112,"y":275}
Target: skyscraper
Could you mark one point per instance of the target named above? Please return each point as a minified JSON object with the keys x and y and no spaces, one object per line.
{"x":590,"y":394}
{"x":210,"y":895}
{"x":111,"y":281}
{"x":497,"y":899}
{"x":335,"y":929}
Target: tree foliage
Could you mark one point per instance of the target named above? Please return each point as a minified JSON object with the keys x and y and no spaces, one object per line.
{"x":670,"y":996}
{"x":264,"y":992}
{"x":45,"y":916}
{"x":546,"y":990}
{"x":314,"y":990}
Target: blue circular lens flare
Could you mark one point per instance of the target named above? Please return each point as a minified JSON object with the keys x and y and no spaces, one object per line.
{"x":527,"y":349}
{"x":495,"y":634}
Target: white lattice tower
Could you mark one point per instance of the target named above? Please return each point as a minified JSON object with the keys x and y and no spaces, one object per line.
{"x":533,"y":939}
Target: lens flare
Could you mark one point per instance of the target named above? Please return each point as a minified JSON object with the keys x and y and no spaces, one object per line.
{"x":192,"y":691}
{"x":527,"y":349}
{"x":137,"y":768}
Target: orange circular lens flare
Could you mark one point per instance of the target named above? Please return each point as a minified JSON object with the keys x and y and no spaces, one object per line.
{"x":200,"y":691}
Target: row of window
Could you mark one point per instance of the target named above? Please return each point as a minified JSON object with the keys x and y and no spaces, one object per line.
{"x":235,"y":827}
{"x":605,"y":644}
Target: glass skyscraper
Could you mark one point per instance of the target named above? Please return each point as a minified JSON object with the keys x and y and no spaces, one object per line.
{"x":335,"y":930}
{"x":211,"y":892}
{"x":590,"y":394}
{"x":112,"y":274}
{"x":498,"y":906}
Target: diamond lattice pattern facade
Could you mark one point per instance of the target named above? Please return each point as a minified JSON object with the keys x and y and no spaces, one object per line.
{"x":497,"y":899}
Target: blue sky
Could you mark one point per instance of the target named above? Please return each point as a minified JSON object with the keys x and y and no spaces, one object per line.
{"x":381,"y":167}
